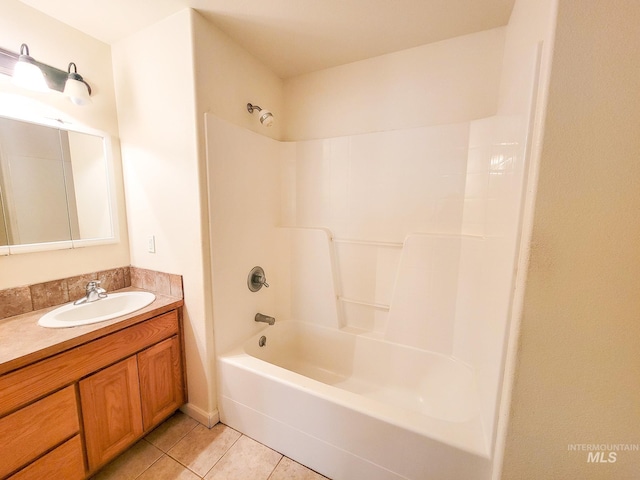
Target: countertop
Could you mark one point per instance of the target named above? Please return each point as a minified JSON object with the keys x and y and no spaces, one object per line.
{"x":23,"y":341}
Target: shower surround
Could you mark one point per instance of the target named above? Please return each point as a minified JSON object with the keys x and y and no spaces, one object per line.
{"x":378,"y":248}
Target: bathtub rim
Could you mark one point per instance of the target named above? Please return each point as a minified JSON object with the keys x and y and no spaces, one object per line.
{"x":448,"y":432}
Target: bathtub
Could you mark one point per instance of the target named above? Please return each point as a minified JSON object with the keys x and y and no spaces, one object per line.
{"x":353,"y":406}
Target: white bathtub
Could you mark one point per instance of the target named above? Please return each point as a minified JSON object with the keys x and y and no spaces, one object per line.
{"x":354,"y":407}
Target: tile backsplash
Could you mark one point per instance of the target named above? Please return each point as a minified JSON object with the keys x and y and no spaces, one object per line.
{"x":159,"y":282}
{"x":19,"y":300}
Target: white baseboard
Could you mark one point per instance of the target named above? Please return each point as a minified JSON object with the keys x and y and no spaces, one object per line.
{"x":208,"y":419}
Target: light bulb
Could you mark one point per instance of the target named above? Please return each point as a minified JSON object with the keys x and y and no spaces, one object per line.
{"x":75,"y":88}
{"x":27,"y":74}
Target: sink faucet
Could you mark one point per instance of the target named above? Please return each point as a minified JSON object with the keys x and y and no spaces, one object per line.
{"x":264,"y":318}
{"x":93,"y":293}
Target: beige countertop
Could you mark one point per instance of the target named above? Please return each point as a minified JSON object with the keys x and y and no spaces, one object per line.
{"x":23,"y":341}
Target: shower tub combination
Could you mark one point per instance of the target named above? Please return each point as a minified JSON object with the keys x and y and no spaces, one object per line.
{"x":353,"y":406}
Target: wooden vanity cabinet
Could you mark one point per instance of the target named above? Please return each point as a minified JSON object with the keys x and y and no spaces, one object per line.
{"x":122,"y":402}
{"x":75,"y":411}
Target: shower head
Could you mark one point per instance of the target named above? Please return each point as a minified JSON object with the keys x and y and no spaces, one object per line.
{"x":265,"y":116}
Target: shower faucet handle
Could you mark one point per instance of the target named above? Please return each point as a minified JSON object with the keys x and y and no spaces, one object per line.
{"x":257,"y":279}
{"x":261,"y":279}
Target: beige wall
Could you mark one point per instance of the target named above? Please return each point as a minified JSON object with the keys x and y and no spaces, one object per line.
{"x":3,"y":231}
{"x":228,"y":77}
{"x":576,"y":380}
{"x":167,"y":77}
{"x":532,"y":22}
{"x":451,"y":81}
{"x":157,"y":114}
{"x":524,"y":83}
{"x":56,"y":44}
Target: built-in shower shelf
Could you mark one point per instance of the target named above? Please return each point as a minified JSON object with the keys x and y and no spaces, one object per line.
{"x":373,"y":243}
{"x":379,"y":306}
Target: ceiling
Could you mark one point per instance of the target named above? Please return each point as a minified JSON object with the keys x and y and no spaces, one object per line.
{"x":293,"y":37}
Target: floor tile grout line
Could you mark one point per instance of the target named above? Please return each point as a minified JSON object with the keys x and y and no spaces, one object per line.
{"x":185,"y":466}
{"x":176,"y":442}
{"x":190,"y":428}
{"x":225,"y":452}
{"x":166,"y":453}
{"x":276,"y":467}
{"x":152,"y":464}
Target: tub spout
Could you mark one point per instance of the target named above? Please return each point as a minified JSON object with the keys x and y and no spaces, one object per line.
{"x":264,"y":318}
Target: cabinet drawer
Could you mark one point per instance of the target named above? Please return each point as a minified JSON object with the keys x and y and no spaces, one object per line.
{"x":65,"y":463}
{"x":28,"y":383}
{"x":34,"y":429}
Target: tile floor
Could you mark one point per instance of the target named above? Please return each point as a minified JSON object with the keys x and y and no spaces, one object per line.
{"x":182,"y":449}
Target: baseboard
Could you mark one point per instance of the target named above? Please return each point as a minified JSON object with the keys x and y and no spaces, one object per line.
{"x":208,"y":419}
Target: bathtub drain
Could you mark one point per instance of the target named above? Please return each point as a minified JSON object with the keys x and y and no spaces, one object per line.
{"x":263,"y":341}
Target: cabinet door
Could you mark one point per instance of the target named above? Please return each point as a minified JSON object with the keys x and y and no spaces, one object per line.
{"x":111,"y":412}
{"x":161,"y":381}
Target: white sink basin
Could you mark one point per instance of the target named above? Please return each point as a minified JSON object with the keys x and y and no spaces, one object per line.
{"x":114,"y":305}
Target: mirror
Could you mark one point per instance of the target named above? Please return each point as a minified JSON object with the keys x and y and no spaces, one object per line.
{"x":55,"y":187}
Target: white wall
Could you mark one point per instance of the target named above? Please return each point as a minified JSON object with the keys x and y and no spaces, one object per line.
{"x":371,"y":191}
{"x":387,"y":200}
{"x":245,"y":201}
{"x":157,"y":114}
{"x":56,"y":44}
{"x":383,"y":186}
{"x":451,"y":81}
{"x":379,"y":183}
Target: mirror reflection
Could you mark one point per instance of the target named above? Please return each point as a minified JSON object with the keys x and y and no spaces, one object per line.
{"x":54,"y":185}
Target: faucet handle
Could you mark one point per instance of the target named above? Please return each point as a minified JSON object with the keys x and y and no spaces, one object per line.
{"x":257,"y":279}
{"x":94,"y":286}
{"x":262,"y":280}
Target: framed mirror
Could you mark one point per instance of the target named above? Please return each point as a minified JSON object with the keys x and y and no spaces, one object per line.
{"x":56,"y":186}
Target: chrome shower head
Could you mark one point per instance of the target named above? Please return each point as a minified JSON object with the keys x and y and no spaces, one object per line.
{"x":265,"y":117}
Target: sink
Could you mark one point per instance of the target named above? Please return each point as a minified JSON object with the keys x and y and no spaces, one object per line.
{"x":114,"y":305}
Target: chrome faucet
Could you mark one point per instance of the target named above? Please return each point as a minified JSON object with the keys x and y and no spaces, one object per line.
{"x":93,"y":293}
{"x":264,"y":318}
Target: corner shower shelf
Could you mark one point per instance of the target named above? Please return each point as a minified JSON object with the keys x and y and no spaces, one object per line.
{"x":368,"y":242}
{"x":379,"y":306}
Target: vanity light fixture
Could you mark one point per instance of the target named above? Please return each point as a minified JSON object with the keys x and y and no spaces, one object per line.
{"x":75,"y":88}
{"x":27,"y":74}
